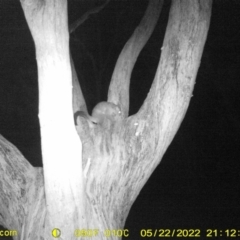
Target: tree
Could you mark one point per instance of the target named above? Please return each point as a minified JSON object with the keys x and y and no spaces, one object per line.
{"x":92,"y":181}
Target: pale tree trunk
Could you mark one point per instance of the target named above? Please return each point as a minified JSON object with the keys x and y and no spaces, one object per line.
{"x":61,"y":146}
{"x":95,"y":188}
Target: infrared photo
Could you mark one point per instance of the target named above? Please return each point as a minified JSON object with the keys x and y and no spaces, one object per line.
{"x":119,"y":119}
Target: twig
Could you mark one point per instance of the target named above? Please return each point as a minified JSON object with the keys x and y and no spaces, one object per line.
{"x":85,"y":16}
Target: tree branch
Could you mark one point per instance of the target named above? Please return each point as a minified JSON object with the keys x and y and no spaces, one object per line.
{"x":120,"y":82}
{"x":78,"y":99}
{"x":16,"y":177}
{"x":85,"y":16}
{"x":158,"y":120}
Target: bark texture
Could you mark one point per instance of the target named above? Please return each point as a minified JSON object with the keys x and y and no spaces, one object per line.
{"x":92,"y":183}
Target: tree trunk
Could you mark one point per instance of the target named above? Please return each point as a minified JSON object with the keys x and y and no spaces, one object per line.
{"x":92,"y":183}
{"x":61,"y":146}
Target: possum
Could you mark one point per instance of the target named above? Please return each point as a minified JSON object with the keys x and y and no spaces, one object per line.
{"x":103,"y":112}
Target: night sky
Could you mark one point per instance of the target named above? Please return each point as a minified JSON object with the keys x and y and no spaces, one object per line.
{"x":197,"y":184}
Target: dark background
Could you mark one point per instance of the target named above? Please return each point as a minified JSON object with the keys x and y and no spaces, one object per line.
{"x":197,"y":184}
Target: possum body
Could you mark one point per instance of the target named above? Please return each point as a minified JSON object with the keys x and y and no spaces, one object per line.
{"x":102,"y":112}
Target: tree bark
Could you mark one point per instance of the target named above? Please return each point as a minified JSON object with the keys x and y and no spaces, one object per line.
{"x":120,"y":82}
{"x":95,"y":189}
{"x":22,"y":202}
{"x":61,"y":146}
{"x":124,"y":158}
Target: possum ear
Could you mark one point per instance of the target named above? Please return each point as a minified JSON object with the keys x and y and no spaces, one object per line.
{"x":85,"y":116}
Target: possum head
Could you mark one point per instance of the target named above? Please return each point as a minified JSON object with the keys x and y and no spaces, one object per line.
{"x":106,"y":111}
